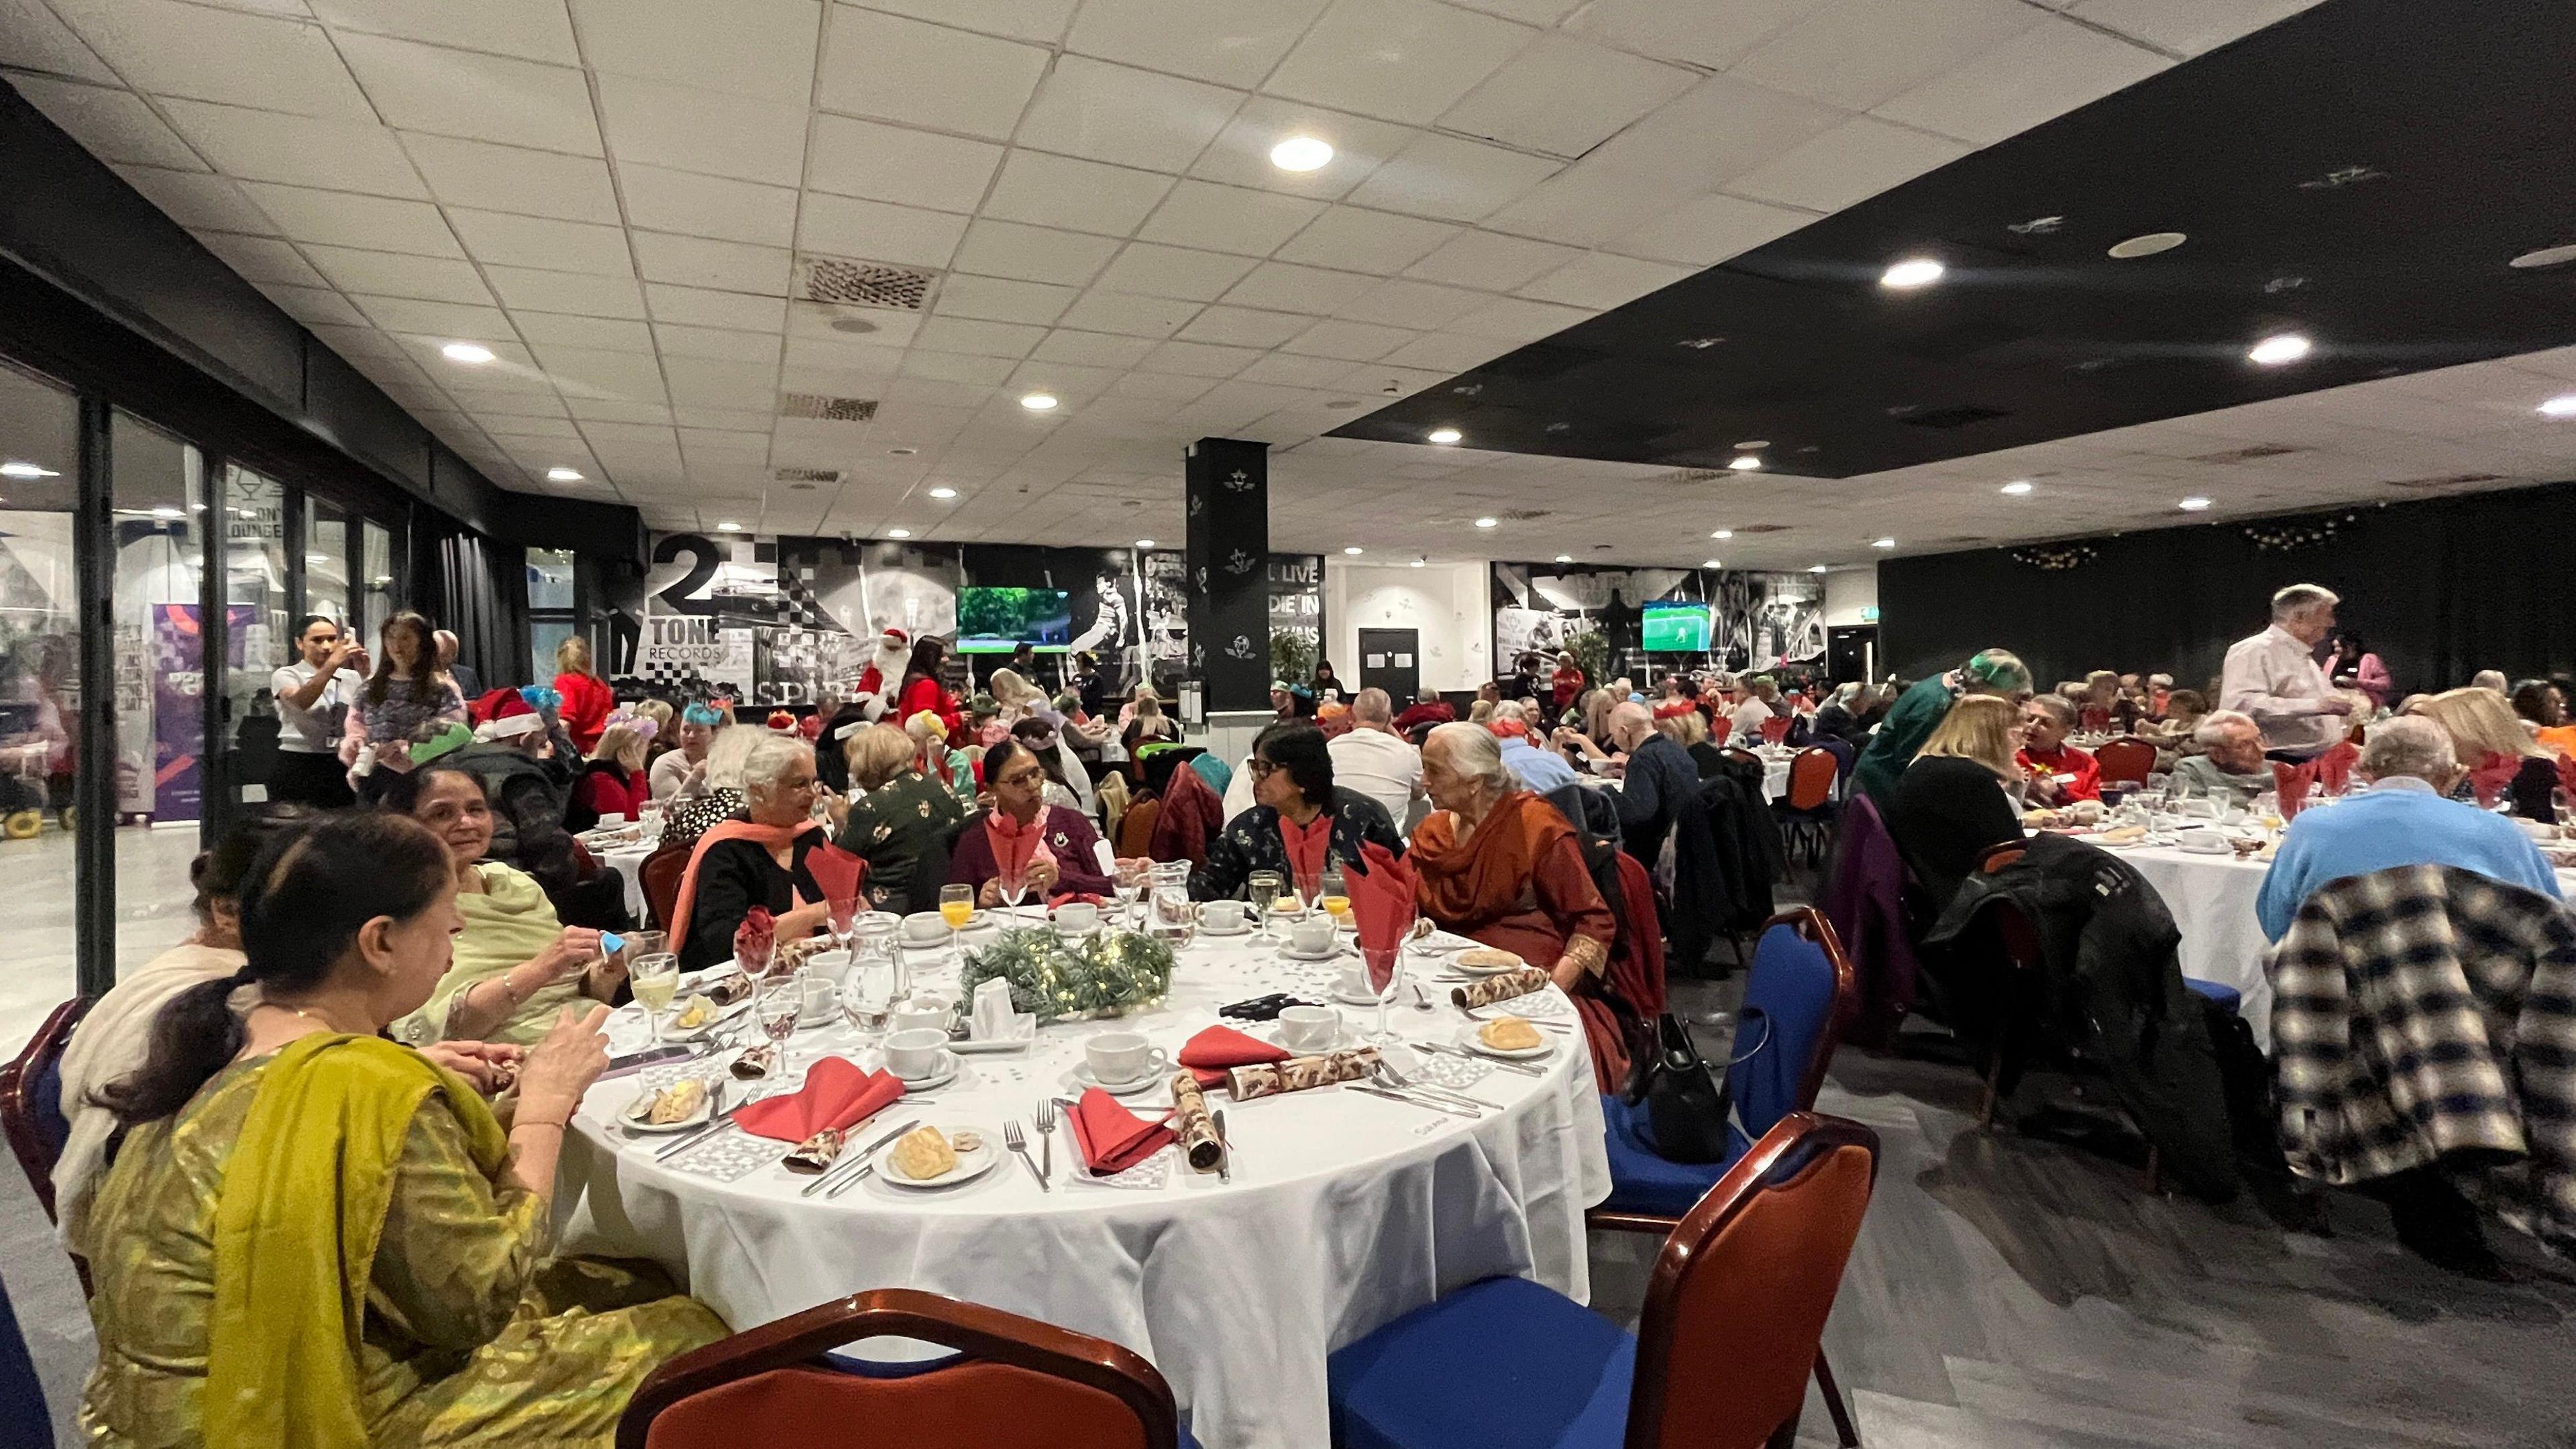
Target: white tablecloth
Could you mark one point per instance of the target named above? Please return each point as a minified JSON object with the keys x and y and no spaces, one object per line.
{"x":1345,"y":1211}
{"x":628,"y":861}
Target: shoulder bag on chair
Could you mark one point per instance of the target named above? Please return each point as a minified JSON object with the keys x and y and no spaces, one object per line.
{"x":1687,"y":1106}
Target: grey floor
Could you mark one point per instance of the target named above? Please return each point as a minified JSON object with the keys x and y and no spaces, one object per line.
{"x":2011,"y":1292}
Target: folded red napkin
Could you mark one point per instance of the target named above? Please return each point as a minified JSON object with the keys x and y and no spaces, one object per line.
{"x":754,"y":939}
{"x":2334,"y":767}
{"x":1112,"y":1138}
{"x":1382,"y":899}
{"x":2492,"y":777}
{"x":1776,"y":729}
{"x":2290,"y":783}
{"x":1208,"y":1054}
{"x":836,"y":870}
{"x":1075,"y":898}
{"x":836,"y":1097}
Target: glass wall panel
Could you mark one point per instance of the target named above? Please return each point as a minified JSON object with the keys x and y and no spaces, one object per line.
{"x":262,"y":633}
{"x":39,"y":695}
{"x":326,"y":564}
{"x":161,"y":775}
{"x":376,"y":574}
{"x":551,"y":619}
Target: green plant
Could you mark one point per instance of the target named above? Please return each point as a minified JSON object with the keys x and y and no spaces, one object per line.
{"x":1592,"y":655}
{"x":1108,"y":975}
{"x":1292,"y":657}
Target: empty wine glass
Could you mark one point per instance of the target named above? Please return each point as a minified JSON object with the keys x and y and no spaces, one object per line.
{"x":1014,"y":881}
{"x":1386,"y":978}
{"x":1130,"y":883}
{"x":779,"y":1006}
{"x":1262,"y":887}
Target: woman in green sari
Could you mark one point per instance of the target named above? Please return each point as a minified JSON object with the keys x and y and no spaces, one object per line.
{"x":316,"y":1237}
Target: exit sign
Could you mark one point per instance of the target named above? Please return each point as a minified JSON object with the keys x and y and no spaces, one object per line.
{"x":1869,"y":614}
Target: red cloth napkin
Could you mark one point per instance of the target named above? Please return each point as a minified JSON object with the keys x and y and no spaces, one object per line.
{"x":836,"y":1096}
{"x":2290,"y":783}
{"x":1208,"y":1054}
{"x":1719,"y":728}
{"x":1112,"y":1138}
{"x":1383,"y":899}
{"x":1776,"y":729}
{"x":1306,"y":845}
{"x":2334,"y":767}
{"x":1075,"y":898}
{"x":837,"y":871}
{"x":755,"y":937}
{"x":2493,"y":777}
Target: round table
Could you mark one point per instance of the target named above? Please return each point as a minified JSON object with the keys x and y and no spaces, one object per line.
{"x":1345,"y":1210}
{"x":628,"y":861}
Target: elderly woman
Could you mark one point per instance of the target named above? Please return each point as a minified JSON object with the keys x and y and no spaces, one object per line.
{"x":904,"y":820}
{"x":1952,"y":803}
{"x":952,"y":767}
{"x":2501,"y":757}
{"x":612,"y":780}
{"x":1048,"y":847}
{"x":315,"y":1236}
{"x":719,"y":793}
{"x":515,"y":964}
{"x":1688,"y":728}
{"x":1839,"y":718}
{"x":756,"y":857}
{"x":1300,"y":824}
{"x":681,"y":772}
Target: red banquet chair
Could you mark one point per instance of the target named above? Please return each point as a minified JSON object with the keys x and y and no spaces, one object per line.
{"x":31,"y":1110}
{"x":1808,"y":809}
{"x":1733,"y":1316}
{"x":2125,"y":761}
{"x":1013,"y":1383}
{"x":660,"y":876}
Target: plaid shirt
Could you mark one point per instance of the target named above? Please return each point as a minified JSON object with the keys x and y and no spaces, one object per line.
{"x":2424,"y":1011}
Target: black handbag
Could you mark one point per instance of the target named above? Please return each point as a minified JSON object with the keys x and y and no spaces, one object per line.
{"x":1686,"y":1105}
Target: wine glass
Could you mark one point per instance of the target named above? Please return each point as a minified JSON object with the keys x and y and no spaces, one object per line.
{"x":1130,"y":883}
{"x":654,"y":978}
{"x":1386,"y":977}
{"x":1333,"y":894}
{"x":778,"y":1007}
{"x":956,"y":907}
{"x":1262,"y":886}
{"x":1014,"y":880}
{"x":844,"y":912}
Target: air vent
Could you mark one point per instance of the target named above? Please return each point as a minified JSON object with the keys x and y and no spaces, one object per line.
{"x":1742,"y":529}
{"x":808,"y":475}
{"x":2248,"y":455}
{"x":826,"y":409}
{"x":1958,"y":416}
{"x":1692,"y":475}
{"x":1521,"y":515}
{"x":2455,"y":480}
{"x":867,"y":284}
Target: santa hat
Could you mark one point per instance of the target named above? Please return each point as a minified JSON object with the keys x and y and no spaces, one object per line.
{"x":503,"y":714}
{"x":895,"y":635}
{"x":781,"y":721}
{"x":1508,"y":729}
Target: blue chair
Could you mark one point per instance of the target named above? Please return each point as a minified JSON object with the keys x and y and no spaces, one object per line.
{"x":2226,"y":998}
{"x":24,"y":1422}
{"x":1733,"y":1313}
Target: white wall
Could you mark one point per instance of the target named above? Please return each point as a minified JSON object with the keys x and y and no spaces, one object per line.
{"x":1451,"y":604}
{"x":1847,"y":592}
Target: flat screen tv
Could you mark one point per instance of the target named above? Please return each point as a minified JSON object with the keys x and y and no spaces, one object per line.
{"x":999,"y":620}
{"x":1676,"y":629}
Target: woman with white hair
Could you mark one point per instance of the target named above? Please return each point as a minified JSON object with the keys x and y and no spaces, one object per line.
{"x":756,"y":857}
{"x":719,"y":792}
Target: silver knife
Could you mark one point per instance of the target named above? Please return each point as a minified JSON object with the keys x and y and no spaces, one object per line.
{"x":867,"y":1163}
{"x":1225,"y":1156}
{"x":1524,"y":1068}
{"x":1425,"y":1103}
{"x":709,"y":1128}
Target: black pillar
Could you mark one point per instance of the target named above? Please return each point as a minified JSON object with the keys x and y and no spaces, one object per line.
{"x":94,"y":784}
{"x":1228,"y":543}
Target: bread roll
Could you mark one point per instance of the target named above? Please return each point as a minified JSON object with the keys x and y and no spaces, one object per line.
{"x":923,"y":1153}
{"x":1508,"y":1034}
{"x":1487,"y":958}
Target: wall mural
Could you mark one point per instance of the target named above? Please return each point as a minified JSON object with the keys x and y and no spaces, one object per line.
{"x":1754,"y":620}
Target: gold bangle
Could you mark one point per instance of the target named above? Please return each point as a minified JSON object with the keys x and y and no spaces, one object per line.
{"x":547,"y":1122}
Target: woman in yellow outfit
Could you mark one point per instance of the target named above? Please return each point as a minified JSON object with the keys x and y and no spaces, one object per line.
{"x":315,"y":1237}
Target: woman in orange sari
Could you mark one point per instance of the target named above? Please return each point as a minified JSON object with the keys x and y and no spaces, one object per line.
{"x":1501,"y":865}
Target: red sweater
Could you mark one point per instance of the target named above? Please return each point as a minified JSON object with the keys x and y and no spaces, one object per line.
{"x":586,"y":703}
{"x":925,"y":694}
{"x":2078,"y":777}
{"x":609,"y":792}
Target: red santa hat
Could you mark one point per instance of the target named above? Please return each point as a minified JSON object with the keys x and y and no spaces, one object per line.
{"x":503,"y":715}
{"x":781,"y":721}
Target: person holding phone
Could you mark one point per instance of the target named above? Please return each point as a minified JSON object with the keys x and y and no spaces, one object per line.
{"x":313,"y":699}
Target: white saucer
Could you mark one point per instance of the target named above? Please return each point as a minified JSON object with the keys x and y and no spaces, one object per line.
{"x":946,"y":1072}
{"x":1440,"y":943}
{"x":1467,"y":1038}
{"x":1291,"y":953}
{"x":672,"y":1031}
{"x":1343,"y":1036}
{"x":970,"y":1165}
{"x":1515,"y":964}
{"x":1080,"y":1077}
{"x":1024,"y":1030}
{"x":1243,"y":930}
{"x":698,"y":1118}
{"x":1337,"y":994}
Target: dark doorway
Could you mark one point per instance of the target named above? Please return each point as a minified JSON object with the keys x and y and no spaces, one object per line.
{"x":1391,"y":659}
{"x":1851,"y":653}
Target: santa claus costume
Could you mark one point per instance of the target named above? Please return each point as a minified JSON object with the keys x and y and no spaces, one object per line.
{"x":876,"y":688}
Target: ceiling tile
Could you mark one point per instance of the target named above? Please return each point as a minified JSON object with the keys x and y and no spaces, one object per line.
{"x":1404,"y":60}
{"x":445,"y":92}
{"x":1412,"y":304}
{"x":1161,"y":271}
{"x":1046,"y":190}
{"x":1287,"y":287}
{"x":1445,"y":353}
{"x":435,"y":319}
{"x":1092,"y":349}
{"x":1228,"y":218}
{"x":1199,"y":359}
{"x":688,"y":204}
{"x":2036,"y":76}
{"x":1720,"y":129}
{"x":982,"y":339}
{"x":718,"y":383}
{"x":851,"y":355}
{"x":701,"y":262}
{"x":718,"y":343}
{"x":344,"y":219}
{"x":758,"y":48}
{"x":503,"y":27}
{"x":510,"y":178}
{"x":575,"y":292}
{"x":586,"y":373}
{"x":164,"y":48}
{"x":1564,"y":96}
{"x":1490,"y":260}
{"x":700,"y":130}
{"x":1354,"y":239}
{"x":1032,"y":253}
{"x":958,"y":367}
{"x":612,"y":333}
{"x":1288,"y":369}
{"x":431,"y":279}
{"x":268,"y":146}
{"x":1230,"y":42}
{"x":876,"y":231}
{"x":895,"y":163}
{"x":528,"y":241}
{"x":1240,"y":155}
{"x":198,"y":200}
{"x":2189,"y":26}
{"x":1127,"y":314}
{"x":32,"y":36}
{"x":1707,"y":230}
{"x":1587,"y":204}
{"x":115,"y":126}
{"x":1857,"y":53}
{"x":1601,"y":281}
{"x":1851,"y":163}
{"x":1514,"y":319}
{"x":1244,"y":327}
{"x":993,"y":299}
{"x":896,"y":69}
{"x":1452,"y":178}
{"x":1114,"y":113}
{"x":700,"y":307}
{"x":1711,"y":33}
{"x":262,"y":259}
{"x":1350,"y":341}
{"x":1039,"y":20}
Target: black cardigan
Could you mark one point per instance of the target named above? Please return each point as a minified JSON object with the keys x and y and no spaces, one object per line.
{"x":1945,"y":813}
{"x":734,"y":876}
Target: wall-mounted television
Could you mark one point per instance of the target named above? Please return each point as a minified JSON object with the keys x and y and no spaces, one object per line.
{"x":999,"y":620}
{"x":1676,"y":628}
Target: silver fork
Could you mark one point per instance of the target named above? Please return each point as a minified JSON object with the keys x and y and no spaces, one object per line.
{"x":1018,"y":1141}
{"x":1046,"y":1132}
{"x":1524,"y":1068}
{"x":1433,"y":1090}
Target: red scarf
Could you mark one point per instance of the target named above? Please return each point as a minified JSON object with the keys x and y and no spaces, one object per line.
{"x":767,"y":835}
{"x":1306,"y":845}
{"x":1015,"y":846}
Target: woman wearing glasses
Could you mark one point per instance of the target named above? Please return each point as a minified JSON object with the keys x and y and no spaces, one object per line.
{"x":1045,"y":850}
{"x":754,"y":858}
{"x":1301,"y":823}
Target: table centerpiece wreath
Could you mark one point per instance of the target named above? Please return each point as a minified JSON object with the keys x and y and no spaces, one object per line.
{"x":1106,"y":975}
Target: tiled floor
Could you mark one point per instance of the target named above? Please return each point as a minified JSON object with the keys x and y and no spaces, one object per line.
{"x":152,"y":910}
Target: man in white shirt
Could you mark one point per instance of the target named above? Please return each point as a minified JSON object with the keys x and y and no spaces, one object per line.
{"x":313,"y":699}
{"x":2274,"y":676}
{"x":1750,"y":714}
{"x":1374,"y":760}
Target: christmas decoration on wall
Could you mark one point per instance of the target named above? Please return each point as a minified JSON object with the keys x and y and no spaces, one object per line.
{"x":2056,"y":558}
{"x":1109,"y":974}
{"x":2288,"y":535}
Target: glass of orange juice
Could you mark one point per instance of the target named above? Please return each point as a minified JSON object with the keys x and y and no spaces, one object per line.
{"x":956,"y":907}
{"x":1334,"y":896}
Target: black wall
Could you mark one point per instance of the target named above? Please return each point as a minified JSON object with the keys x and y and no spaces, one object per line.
{"x":2438,"y":589}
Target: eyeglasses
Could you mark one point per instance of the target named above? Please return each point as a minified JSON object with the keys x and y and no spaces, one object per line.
{"x":1022,"y":777}
{"x":1262,"y":769}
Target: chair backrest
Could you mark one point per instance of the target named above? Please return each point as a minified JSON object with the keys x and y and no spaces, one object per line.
{"x":1742,"y":1288}
{"x":1136,"y":827}
{"x":2127,"y":760}
{"x":1798,"y":989}
{"x":1811,"y":778}
{"x":2020,"y":937}
{"x":660,"y":876}
{"x":1013,"y":1382}
{"x":1844,"y":756}
{"x":31,"y":1101}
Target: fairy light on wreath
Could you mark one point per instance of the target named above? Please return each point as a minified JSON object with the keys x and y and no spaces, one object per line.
{"x":1108,"y":975}
{"x":2291,"y":535}
{"x":2056,"y":558}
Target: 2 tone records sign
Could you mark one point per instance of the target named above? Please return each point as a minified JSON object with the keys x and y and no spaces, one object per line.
{"x":678,"y":647}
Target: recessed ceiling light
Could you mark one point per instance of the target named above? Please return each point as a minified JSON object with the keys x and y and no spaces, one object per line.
{"x":1723,"y":533}
{"x":16,"y":469}
{"x":2148,"y":245}
{"x":1417,"y":563}
{"x":169,"y":510}
{"x":943,"y":492}
{"x":898,"y":533}
{"x":1882,"y":543}
{"x":1816,"y":569}
{"x":2276,"y":350}
{"x":728,"y":526}
{"x":1565,"y":558}
{"x":1444,"y":436}
{"x":1754,"y":446}
{"x":1353,"y":548}
{"x":472,"y":352}
{"x":2193,"y":504}
{"x":2545,"y":257}
{"x":1144,"y":543}
{"x":1911,"y":272}
{"x":563,"y":475}
{"x":1487,"y":522}
{"x":1712,"y":564}
{"x":2017,"y":488}
{"x":901,"y":452}
{"x":1745,"y":463}
{"x":2563,"y":405}
{"x":1301,"y":153}
{"x":1038,"y":402}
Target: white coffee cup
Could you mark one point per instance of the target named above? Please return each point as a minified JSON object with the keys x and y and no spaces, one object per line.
{"x":1120,"y":1057}
{"x":1224,"y":915}
{"x":1355,"y":980}
{"x":1309,"y":1028}
{"x":1077,"y":918}
{"x":610,"y":820}
{"x":924,"y":1011}
{"x":832,"y":966}
{"x":915,"y":1054}
{"x":822,"y":999}
{"x":1312,"y":936}
{"x":925,"y":928}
